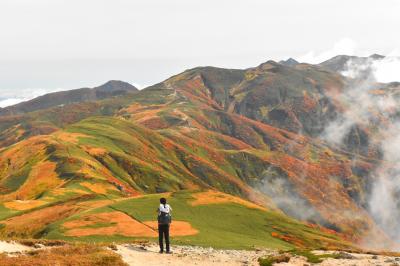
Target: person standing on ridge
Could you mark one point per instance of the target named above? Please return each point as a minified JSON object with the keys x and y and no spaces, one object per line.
{"x":164,"y":221}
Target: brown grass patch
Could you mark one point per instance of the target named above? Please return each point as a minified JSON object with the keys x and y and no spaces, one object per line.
{"x":95,"y":204}
{"x":141,"y":113}
{"x":216,"y":197}
{"x":62,"y":191}
{"x":154,"y":123}
{"x":41,"y":178}
{"x":120,"y":224}
{"x":177,"y":228}
{"x":66,"y":255}
{"x":95,"y":151}
{"x":69,"y":137}
{"x":44,"y":242}
{"x":15,"y":158}
{"x":377,"y":92}
{"x":97,"y":187}
{"x":22,"y":205}
{"x":31,"y":223}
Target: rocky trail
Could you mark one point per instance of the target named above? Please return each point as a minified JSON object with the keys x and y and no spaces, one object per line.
{"x":146,"y":254}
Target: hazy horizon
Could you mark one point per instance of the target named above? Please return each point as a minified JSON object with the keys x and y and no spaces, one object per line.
{"x":51,"y":45}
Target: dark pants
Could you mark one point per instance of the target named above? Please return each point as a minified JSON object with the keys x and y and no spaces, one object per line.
{"x":163,"y":231}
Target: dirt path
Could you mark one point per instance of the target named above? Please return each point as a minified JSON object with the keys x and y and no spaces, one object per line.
{"x":147,"y":255}
{"x":12,"y":247}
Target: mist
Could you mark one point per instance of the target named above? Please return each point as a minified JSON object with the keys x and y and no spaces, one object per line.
{"x":375,"y":106}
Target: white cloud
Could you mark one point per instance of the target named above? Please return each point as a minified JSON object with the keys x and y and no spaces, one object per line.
{"x":10,"y":101}
{"x":387,"y":70}
{"x":11,"y":97}
{"x":345,"y":46}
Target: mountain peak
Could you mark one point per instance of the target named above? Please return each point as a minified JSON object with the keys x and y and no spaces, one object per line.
{"x":268,"y":65}
{"x":377,"y":56}
{"x":289,"y":62}
{"x":116,"y":85}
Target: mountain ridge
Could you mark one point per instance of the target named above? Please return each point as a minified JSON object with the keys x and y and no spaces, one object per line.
{"x":252,"y":133}
{"x":108,"y":89}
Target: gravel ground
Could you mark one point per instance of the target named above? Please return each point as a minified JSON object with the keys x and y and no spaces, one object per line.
{"x":147,"y":255}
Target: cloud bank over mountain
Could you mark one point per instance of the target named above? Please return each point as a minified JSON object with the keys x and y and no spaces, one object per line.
{"x":11,"y":97}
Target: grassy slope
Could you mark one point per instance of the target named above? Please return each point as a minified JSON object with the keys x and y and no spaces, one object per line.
{"x":137,"y":158}
{"x":227,"y":225}
{"x":171,"y":137}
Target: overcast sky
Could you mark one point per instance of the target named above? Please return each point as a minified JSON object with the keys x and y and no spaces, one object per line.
{"x":49,"y":45}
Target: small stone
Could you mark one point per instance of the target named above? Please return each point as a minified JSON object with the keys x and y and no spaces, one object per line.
{"x":374,"y":257}
{"x":38,"y":245}
{"x":346,"y":256}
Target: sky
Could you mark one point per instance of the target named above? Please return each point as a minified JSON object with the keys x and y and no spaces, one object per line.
{"x":49,"y":45}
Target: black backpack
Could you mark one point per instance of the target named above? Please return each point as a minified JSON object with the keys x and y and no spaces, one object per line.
{"x":164,"y":218}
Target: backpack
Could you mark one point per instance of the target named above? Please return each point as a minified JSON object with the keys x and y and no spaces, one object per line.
{"x":164,"y":218}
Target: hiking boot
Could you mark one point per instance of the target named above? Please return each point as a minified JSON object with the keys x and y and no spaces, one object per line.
{"x":169,"y":252}
{"x":161,"y":251}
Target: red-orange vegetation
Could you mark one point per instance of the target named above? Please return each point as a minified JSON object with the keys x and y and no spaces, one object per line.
{"x":177,"y":228}
{"x":216,"y":197}
{"x":308,"y":102}
{"x":30,"y":223}
{"x":155,"y":123}
{"x":290,"y":239}
{"x":125,"y":188}
{"x":118,"y":223}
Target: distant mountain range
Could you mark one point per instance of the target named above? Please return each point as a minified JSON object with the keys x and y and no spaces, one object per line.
{"x":109,"y":89}
{"x":257,"y":134}
{"x":339,"y":63}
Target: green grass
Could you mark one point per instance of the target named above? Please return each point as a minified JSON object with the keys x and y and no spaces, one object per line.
{"x":285,"y":257}
{"x":311,"y":257}
{"x":6,"y":213}
{"x":227,"y":225}
{"x":270,"y":260}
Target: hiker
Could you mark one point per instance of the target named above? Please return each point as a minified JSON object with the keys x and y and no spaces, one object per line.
{"x":164,"y":221}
